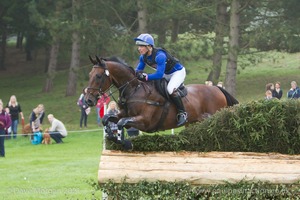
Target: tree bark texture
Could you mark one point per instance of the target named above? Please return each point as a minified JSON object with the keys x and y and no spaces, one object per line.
{"x":220,"y":30}
{"x":75,"y":57}
{"x":142,"y":16}
{"x":233,"y":48}
{"x":175,"y":29}
{"x":3,"y":47}
{"x":75,"y":61}
{"x":52,"y":66}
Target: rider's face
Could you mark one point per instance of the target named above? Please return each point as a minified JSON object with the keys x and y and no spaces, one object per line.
{"x":143,"y":49}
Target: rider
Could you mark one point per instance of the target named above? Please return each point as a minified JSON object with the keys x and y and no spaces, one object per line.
{"x":166,"y":66}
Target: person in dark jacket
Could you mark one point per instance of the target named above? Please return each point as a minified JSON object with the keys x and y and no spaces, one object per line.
{"x":277,"y":92}
{"x":5,"y":123}
{"x":85,"y":109}
{"x":294,"y":92}
{"x":14,"y":110}
{"x":36,"y":118}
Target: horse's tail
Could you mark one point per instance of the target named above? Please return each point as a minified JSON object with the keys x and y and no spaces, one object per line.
{"x":229,"y":98}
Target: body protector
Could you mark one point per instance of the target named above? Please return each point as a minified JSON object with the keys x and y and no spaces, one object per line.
{"x":171,"y":60}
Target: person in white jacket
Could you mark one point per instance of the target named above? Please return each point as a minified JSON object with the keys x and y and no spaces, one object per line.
{"x":57,"y":130}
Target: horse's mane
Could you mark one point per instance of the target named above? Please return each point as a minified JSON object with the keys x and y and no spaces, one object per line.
{"x":121,"y":61}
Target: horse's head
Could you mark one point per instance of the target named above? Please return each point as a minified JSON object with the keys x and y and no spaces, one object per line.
{"x":99,"y":81}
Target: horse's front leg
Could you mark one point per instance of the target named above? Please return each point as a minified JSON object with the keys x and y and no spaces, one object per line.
{"x":110,"y":118}
{"x":128,"y":121}
{"x":108,"y":132}
{"x":121,"y":124}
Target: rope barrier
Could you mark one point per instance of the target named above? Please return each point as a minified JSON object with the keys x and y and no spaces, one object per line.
{"x":73,"y":131}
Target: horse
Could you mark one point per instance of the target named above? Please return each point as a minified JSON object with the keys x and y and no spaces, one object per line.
{"x":142,"y":106}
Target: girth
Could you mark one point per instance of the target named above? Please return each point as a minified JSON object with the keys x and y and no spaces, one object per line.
{"x":163,"y":115}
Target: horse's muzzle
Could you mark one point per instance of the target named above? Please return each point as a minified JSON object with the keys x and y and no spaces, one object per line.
{"x":90,"y":100}
{"x":90,"y":103}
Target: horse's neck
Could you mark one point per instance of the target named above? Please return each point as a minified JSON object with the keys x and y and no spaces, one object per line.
{"x":145,"y":91}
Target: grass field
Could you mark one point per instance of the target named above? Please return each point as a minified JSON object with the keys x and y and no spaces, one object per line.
{"x":64,"y":171}
{"x":56,"y":171}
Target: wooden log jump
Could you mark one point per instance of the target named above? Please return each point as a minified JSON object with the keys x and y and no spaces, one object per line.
{"x":198,"y":168}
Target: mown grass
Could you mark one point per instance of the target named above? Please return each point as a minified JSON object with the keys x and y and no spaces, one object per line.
{"x":56,"y":171}
{"x":63,"y":171}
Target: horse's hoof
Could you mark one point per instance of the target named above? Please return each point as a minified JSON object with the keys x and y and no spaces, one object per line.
{"x":127,"y":145}
{"x":112,"y":138}
{"x":105,"y":120}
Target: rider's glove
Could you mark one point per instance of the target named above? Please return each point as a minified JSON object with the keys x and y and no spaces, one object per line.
{"x":142,"y":76}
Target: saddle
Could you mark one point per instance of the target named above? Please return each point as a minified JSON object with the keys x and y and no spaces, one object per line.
{"x":161,"y":87}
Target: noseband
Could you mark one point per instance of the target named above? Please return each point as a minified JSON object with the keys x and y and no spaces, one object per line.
{"x":103,"y":79}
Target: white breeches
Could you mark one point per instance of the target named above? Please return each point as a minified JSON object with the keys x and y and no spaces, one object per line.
{"x":175,"y":80}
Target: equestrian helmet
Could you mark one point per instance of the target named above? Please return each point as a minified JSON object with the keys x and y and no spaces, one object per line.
{"x":144,"y":39}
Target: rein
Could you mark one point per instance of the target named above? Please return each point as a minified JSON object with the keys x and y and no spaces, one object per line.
{"x":124,"y":86}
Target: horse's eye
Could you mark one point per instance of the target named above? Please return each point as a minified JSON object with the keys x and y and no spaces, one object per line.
{"x":99,"y":76}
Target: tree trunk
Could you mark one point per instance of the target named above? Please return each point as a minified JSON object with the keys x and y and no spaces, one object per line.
{"x":142,"y":16}
{"x":75,"y":57}
{"x":30,"y":45}
{"x":233,"y":48}
{"x":52,"y":66}
{"x":47,"y":57}
{"x":220,"y":29}
{"x":3,"y":47}
{"x":210,"y":75}
{"x":175,"y":30}
{"x":19,"y":43}
{"x":72,"y":81}
{"x":161,"y":34}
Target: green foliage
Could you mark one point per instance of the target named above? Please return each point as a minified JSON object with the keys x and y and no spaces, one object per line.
{"x":257,"y":126}
{"x":192,"y":47}
{"x":153,"y":143}
{"x":181,"y":190}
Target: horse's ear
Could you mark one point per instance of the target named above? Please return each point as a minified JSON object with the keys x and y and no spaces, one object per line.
{"x":93,"y":61}
{"x":100,"y":61}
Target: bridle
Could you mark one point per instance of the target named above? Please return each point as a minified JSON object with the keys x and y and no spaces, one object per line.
{"x":122,"y":88}
{"x":100,"y":78}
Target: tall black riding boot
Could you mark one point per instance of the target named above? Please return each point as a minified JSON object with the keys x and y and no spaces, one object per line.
{"x":181,"y":114}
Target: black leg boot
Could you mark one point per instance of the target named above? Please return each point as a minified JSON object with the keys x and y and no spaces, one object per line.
{"x":181,"y":114}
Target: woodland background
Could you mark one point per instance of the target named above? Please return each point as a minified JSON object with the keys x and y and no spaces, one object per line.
{"x":67,"y":31}
{"x":44,"y":48}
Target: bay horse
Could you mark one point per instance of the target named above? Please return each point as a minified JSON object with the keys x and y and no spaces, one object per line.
{"x":142,"y":106}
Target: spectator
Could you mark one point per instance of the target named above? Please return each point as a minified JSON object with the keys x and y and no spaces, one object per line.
{"x":113,"y":110}
{"x":57,"y":130}
{"x":8,"y":130}
{"x":270,"y":86}
{"x":277,"y":92}
{"x":268,"y":95}
{"x":14,"y":110}
{"x":5,"y":123}
{"x":294,"y":92}
{"x":84,"y":109}
{"x":220,"y":84}
{"x":209,"y":83}
{"x":36,"y":118}
{"x":102,"y":101}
